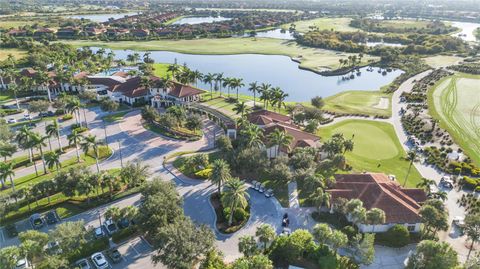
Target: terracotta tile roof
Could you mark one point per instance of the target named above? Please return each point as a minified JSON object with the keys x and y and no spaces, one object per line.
{"x":80,"y":75}
{"x":120,"y":74}
{"x":267,"y":116}
{"x":181,"y":90}
{"x":109,"y":82}
{"x":379,"y":191}
{"x":300,"y":138}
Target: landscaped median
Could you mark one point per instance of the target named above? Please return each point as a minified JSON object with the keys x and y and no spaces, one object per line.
{"x":238,"y":218}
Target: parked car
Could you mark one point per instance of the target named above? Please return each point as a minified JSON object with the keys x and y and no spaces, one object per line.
{"x":254,"y":183}
{"x":269,"y":193}
{"x":285,"y":221}
{"x":261,"y":189}
{"x":22,"y":263}
{"x":286,"y":231}
{"x":446,"y":182}
{"x":123,"y":223}
{"x":52,"y":217}
{"x":99,"y":261}
{"x":46,"y":114}
{"x":11,"y":230}
{"x":12,"y":120}
{"x":83,"y":264}
{"x":110,"y":227}
{"x":99,"y":232}
{"x":27,"y":117}
{"x":115,"y":255}
{"x":257,"y":186}
{"x":459,"y":221}
{"x":32,"y":124}
{"x":37,"y":221}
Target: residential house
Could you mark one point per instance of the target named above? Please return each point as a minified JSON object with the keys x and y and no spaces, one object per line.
{"x":140,"y":32}
{"x":17,"y":32}
{"x":375,"y":190}
{"x":67,"y":32}
{"x":174,"y":93}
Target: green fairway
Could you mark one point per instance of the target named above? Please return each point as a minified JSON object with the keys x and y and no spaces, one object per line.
{"x":404,"y":24}
{"x":4,"y":53}
{"x":361,"y":102}
{"x":376,"y":148}
{"x":160,"y":69}
{"x":455,"y":102}
{"x":310,"y":58}
{"x":337,"y":24}
{"x":442,"y":60}
{"x":115,"y":117}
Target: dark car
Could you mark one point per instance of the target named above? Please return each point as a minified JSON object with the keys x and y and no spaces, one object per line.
{"x":114,"y":255}
{"x":37,"y":221}
{"x":32,"y":125}
{"x":285,"y":220}
{"x":52,"y":217}
{"x":11,"y":230}
{"x":123,"y":223}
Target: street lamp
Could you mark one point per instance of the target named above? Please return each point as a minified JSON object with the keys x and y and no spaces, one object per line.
{"x":120,"y":152}
{"x":105,"y":130}
{"x":99,"y":217}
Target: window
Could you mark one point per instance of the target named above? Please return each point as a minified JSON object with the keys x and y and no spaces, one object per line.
{"x":411,"y":227}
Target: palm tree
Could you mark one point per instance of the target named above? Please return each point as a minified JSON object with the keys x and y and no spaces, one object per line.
{"x":425,"y":184}
{"x":11,"y":73}
{"x":173,"y":68}
{"x":113,"y":213}
{"x":73,"y":107}
{"x":196,"y":76}
{"x":347,"y":145}
{"x":253,"y":87}
{"x":412,"y":157}
{"x":227,"y":83}
{"x":109,"y":180}
{"x":280,"y":139}
{"x":90,"y":143}
{"x":7,"y":150}
{"x":53,"y":160}
{"x":53,"y":130}
{"x":208,"y":79}
{"x":278,"y":97}
{"x":218,"y":82}
{"x":440,"y":195}
{"x":253,"y":135}
{"x":23,"y":140}
{"x":75,"y":138}
{"x":38,"y":141}
{"x":241,"y":108}
{"x":374,"y":217}
{"x":28,"y":195}
{"x":236,"y":84}
{"x":42,"y":79}
{"x":220,"y":173}
{"x":265,"y":93}
{"x":6,"y":171}
{"x":235,"y":196}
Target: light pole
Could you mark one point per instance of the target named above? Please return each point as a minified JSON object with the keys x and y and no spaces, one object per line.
{"x":105,"y":130}
{"x":99,"y":217}
{"x":120,"y":152}
{"x":85,"y":116}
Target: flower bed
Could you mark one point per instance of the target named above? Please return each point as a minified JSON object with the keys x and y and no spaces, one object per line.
{"x":240,"y":217}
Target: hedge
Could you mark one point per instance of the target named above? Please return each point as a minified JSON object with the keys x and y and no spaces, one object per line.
{"x":397,"y":236}
{"x":124,"y":234}
{"x":88,"y":249}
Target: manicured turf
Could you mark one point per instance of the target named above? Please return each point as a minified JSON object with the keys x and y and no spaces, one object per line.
{"x":376,"y":148}
{"x":363,"y":102}
{"x":455,"y":102}
{"x":160,"y":69}
{"x":115,"y":117}
{"x":14,"y":52}
{"x":311,"y":58}
{"x":337,"y":24}
{"x":404,"y":24}
{"x":442,"y":60}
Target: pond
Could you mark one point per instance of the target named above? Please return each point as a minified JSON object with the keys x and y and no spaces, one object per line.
{"x":198,"y":20}
{"x":467,"y":30}
{"x":276,"y":33}
{"x":101,"y":17}
{"x":277,"y":70}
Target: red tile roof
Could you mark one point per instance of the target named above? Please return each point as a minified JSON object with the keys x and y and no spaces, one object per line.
{"x":181,"y":90}
{"x":300,"y":138}
{"x":379,"y":191}
{"x":109,"y":82}
{"x":265,"y":116}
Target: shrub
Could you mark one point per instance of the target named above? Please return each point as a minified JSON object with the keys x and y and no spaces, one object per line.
{"x":470,"y":183}
{"x":67,"y":117}
{"x":123,"y":234}
{"x":349,"y":231}
{"x":204,"y":174}
{"x":88,"y":249}
{"x":240,"y":215}
{"x":396,"y":236}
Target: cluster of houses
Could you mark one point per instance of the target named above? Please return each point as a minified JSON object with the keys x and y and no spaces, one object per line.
{"x":401,"y":205}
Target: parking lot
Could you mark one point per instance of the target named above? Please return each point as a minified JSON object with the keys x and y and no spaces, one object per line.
{"x":136,"y":253}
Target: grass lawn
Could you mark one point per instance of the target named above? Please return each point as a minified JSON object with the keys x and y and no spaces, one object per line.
{"x":311,"y":58}
{"x":14,"y":52}
{"x":363,"y":102}
{"x":455,"y":102}
{"x":161,"y":131}
{"x":376,"y":148}
{"x":5,"y":96}
{"x":115,"y":117}
{"x":160,"y":69}
{"x":181,"y":165}
{"x":442,"y":60}
{"x":36,"y":121}
{"x":337,"y":24}
{"x":404,"y":24}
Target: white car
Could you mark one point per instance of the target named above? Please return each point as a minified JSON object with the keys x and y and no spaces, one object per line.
{"x":261,"y":189}
{"x":100,"y":261}
{"x":12,"y":120}
{"x":22,"y":263}
{"x":269,"y":193}
{"x":27,"y":117}
{"x":110,"y":227}
{"x":459,"y":221}
{"x":254,"y":183}
{"x":83,"y":264}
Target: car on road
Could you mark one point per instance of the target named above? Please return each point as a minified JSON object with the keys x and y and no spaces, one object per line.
{"x":83,"y":264}
{"x":22,"y":263}
{"x":52,"y":217}
{"x":11,"y":230}
{"x":115,"y":255}
{"x":12,"y":120}
{"x":459,"y":221}
{"x":110,"y":227}
{"x":446,"y":182}
{"x":98,"y":232}
{"x":27,"y":117}
{"x":269,"y":193}
{"x":37,"y":221}
{"x":99,"y":261}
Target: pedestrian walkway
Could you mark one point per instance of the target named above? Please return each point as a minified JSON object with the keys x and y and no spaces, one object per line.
{"x":293,"y":195}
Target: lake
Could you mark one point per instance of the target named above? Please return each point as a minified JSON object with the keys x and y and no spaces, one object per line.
{"x":467,"y":30}
{"x":281,"y":71}
{"x":198,"y":20}
{"x":101,"y":17}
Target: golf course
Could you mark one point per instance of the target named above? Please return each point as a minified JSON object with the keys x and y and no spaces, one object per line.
{"x":455,"y":102}
{"x":376,"y":149}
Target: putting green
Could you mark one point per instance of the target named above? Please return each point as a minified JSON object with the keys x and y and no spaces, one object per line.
{"x":376,"y":148}
{"x":455,"y":102}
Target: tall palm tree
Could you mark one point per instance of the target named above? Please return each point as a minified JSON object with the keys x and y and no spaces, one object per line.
{"x":7,"y":149}
{"x":235,"y":196}
{"x":11,"y":74}
{"x":6,"y":171}
{"x":109,"y":180}
{"x":278,"y":97}
{"x":218,"y":82}
{"x":348,"y":145}
{"x":253,"y":135}
{"x":425,"y":184}
{"x":174,"y":69}
{"x":196,"y":76}
{"x":73,"y":107}
{"x":227,"y":83}
{"x":75,"y":138}
{"x":241,"y":108}
{"x":23,"y":140}
{"x":209,"y":79}
{"x":38,"y":141}
{"x":280,"y":139}
{"x":220,"y":173}
{"x":52,"y":159}
{"x":253,"y":87}
{"x":265,"y":94}
{"x":90,"y":143}
{"x":411,"y":157}
{"x":53,"y":130}
{"x":42,"y":79}
{"x":236,"y":84}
